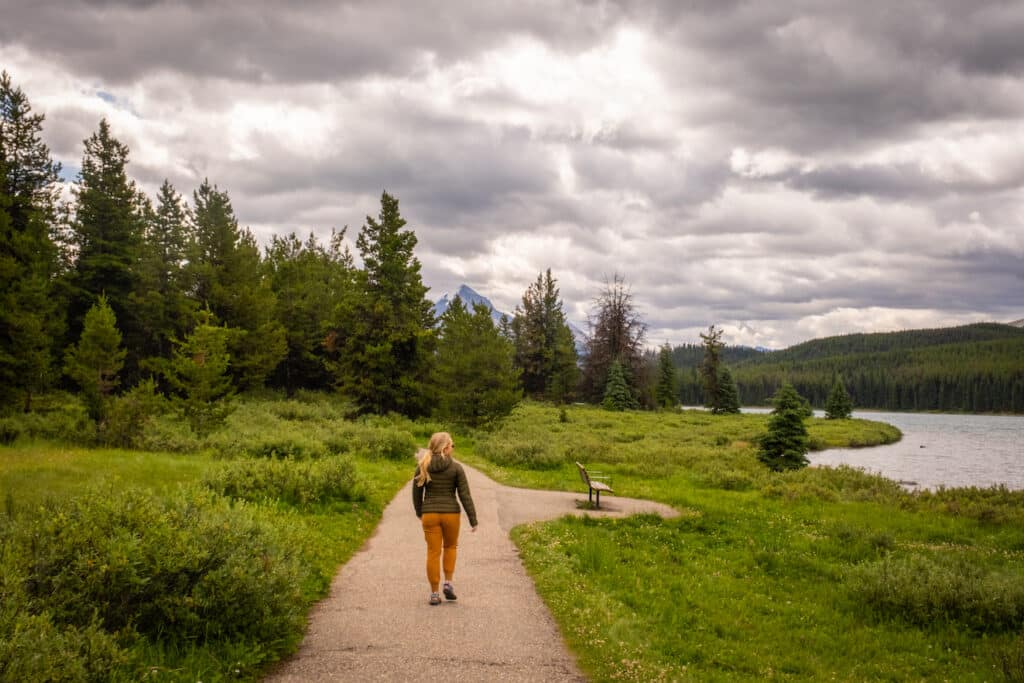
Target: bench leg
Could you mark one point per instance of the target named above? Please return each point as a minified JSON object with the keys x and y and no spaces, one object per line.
{"x":590,"y":495}
{"x":598,"y":506}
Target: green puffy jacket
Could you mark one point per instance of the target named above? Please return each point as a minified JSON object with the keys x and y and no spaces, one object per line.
{"x":447,"y":478}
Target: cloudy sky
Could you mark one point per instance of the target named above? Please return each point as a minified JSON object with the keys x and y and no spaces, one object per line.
{"x":786,"y":170}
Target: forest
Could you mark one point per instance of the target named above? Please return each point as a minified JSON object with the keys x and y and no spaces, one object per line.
{"x":971,"y":368}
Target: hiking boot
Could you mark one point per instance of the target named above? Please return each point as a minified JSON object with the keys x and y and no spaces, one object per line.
{"x":435,"y":599}
{"x":449,"y":592}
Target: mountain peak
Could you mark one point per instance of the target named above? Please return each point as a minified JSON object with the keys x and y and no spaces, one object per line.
{"x":470,"y":297}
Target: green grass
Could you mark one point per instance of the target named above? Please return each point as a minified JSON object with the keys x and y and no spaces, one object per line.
{"x":765,"y":575}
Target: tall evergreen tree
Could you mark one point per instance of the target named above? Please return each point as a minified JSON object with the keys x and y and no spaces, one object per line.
{"x":225,"y":274}
{"x":107,"y":235}
{"x":785,"y":445}
{"x":164,"y":310}
{"x":384,"y":354}
{"x":95,"y":361}
{"x":616,"y":334}
{"x":839,"y":405}
{"x":30,"y":323}
{"x":545,"y":349}
{"x":709,"y":368}
{"x":476,"y":381}
{"x":666,"y":393}
{"x":728,"y":396}
{"x":307,"y":279}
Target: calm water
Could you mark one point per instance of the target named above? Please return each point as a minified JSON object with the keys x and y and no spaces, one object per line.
{"x":942,"y":450}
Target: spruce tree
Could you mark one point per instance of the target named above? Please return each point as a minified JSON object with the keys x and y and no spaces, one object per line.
{"x":198,"y":375}
{"x":839,"y":405}
{"x":107,"y":236}
{"x":307,"y":279}
{"x":545,"y":349}
{"x":31,"y":319}
{"x":709,"y":368}
{"x":95,"y":361}
{"x":617,"y":395}
{"x":384,"y":352}
{"x":728,"y":395}
{"x":476,"y":380}
{"x":666,"y":392}
{"x":225,"y":274}
{"x":785,"y":445}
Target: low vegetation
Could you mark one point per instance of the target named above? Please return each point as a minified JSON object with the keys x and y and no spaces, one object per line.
{"x":815,"y":574}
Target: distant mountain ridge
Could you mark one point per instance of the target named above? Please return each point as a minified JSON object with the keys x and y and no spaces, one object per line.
{"x":470,"y":297}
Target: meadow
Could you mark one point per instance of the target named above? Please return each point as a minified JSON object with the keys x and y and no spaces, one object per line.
{"x":197,"y":558}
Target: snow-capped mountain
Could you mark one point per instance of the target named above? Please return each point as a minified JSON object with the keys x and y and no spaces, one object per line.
{"x":469,"y":297}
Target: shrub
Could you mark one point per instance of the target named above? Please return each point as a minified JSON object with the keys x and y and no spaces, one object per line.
{"x":295,"y":483}
{"x":129,"y":415}
{"x":168,"y":432}
{"x":389,"y":444}
{"x":923,"y":592}
{"x":191,"y":569}
{"x":10,"y":430}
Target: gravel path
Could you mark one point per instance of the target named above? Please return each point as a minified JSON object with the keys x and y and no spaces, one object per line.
{"x":376,"y":625}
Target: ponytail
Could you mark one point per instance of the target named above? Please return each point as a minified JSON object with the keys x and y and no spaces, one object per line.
{"x":438,"y":442}
{"x":424,"y":456}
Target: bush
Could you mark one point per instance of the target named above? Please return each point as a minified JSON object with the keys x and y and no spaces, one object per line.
{"x":10,"y":430}
{"x":62,"y":418}
{"x":295,"y":483}
{"x":187,"y":570}
{"x":168,"y":432}
{"x":923,"y":592}
{"x":129,"y":416}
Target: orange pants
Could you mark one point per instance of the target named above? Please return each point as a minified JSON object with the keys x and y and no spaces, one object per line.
{"x":441,"y":529}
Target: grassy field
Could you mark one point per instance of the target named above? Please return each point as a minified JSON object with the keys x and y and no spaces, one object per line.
{"x":822,"y":574}
{"x":817,"y":574}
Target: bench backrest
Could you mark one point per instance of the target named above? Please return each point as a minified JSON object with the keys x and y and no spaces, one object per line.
{"x":583,"y":474}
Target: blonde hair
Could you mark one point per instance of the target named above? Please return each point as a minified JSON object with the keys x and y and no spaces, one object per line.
{"x":438,"y":442}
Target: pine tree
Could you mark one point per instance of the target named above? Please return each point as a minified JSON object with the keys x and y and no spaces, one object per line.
{"x":31,"y":321}
{"x":476,"y":380}
{"x":307,"y":279}
{"x":161,"y":302}
{"x":383,"y":354}
{"x":545,"y":349}
{"x":95,"y":361}
{"x":839,"y":405}
{"x":198,"y":374}
{"x":225,"y":274}
{"x":785,"y":445}
{"x":709,"y":368}
{"x":617,"y":395}
{"x":666,"y":393}
{"x":728,"y":396}
{"x":107,"y":235}
{"x":616,"y":335}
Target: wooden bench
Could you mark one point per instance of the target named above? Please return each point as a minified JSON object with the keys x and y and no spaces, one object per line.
{"x":594,"y":483}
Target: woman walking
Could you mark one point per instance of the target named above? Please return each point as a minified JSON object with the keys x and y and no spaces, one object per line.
{"x":439,"y":478}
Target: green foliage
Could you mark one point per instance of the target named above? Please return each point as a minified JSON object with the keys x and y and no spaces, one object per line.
{"x":382,"y":348}
{"x":192,"y":569}
{"x":545,"y":351}
{"x":709,"y":367}
{"x":107,"y":234}
{"x":198,"y":373}
{"x":728,"y":397}
{"x":95,"y":361}
{"x":525,"y":450}
{"x":839,"y":405}
{"x":617,"y":395}
{"x":929,"y":592}
{"x":131,"y":414}
{"x":30,"y":317}
{"x":295,"y":482}
{"x":970,"y":368}
{"x":476,"y":382}
{"x":666,"y":392}
{"x":785,"y":445}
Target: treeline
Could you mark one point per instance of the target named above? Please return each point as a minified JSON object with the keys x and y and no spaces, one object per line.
{"x":123,"y":298}
{"x":972,"y":368}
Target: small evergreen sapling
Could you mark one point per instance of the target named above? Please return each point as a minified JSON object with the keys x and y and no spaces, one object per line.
{"x":95,"y":361}
{"x":839,"y":405}
{"x":666,"y":391}
{"x":785,"y":445}
{"x":616,"y":390}
{"x":728,"y":394}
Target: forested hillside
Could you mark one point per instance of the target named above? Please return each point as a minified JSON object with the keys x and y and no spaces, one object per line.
{"x":974,"y":368}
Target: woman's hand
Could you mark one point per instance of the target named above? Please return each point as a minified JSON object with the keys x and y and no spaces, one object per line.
{"x":473,"y":530}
